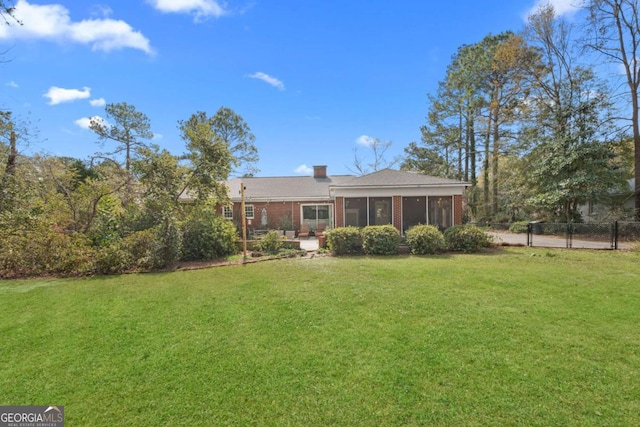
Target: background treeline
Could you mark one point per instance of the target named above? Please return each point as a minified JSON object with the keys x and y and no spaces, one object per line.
{"x":541,"y":121}
{"x":133,"y":207}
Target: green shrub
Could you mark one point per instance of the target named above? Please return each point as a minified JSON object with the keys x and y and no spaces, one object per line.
{"x":519,"y":227}
{"x":167,"y":244}
{"x":380,"y":240}
{"x":344,"y":240}
{"x":270,"y":243}
{"x":466,"y":238}
{"x":425,"y":240}
{"x":112,"y":258}
{"x":208,"y":236}
{"x":43,"y":250}
{"x":141,"y":247}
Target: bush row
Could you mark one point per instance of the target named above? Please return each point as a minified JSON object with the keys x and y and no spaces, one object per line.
{"x":421,"y":239}
{"x":42,"y":249}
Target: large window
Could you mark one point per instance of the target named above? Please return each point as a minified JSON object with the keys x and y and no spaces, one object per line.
{"x":355,"y":211}
{"x":441,"y":211}
{"x":380,"y":210}
{"x":317,"y":217}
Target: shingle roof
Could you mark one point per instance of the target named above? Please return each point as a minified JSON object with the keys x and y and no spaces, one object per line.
{"x":394,"y":178}
{"x":285,"y":188}
{"x":310,"y":188}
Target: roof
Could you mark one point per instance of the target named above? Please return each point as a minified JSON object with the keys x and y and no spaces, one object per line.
{"x":393,"y":178}
{"x":301,"y":188}
{"x":308,"y":188}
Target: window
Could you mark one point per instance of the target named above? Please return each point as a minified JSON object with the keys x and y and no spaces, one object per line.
{"x":227,"y":212}
{"x":318,"y":217}
{"x":248,"y":211}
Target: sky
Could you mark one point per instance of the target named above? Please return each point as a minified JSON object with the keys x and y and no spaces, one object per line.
{"x":316,"y":81}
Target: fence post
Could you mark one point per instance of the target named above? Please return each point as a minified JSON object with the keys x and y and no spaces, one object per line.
{"x":569,"y":231}
{"x":615,"y":235}
{"x":529,"y":231}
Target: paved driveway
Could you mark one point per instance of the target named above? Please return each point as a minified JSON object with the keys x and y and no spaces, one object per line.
{"x":547,"y":241}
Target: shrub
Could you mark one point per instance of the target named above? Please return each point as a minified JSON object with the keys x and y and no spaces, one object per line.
{"x":167,"y":244}
{"x":208,"y":236}
{"x":140,"y":246}
{"x":425,"y":239}
{"x":270,"y":243}
{"x":466,"y":238}
{"x":112,"y":258}
{"x":43,"y":250}
{"x":519,"y":227}
{"x":380,"y":240}
{"x":344,"y":240}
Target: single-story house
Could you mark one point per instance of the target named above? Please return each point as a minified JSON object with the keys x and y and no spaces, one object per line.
{"x":323,"y":201}
{"x":616,"y":206}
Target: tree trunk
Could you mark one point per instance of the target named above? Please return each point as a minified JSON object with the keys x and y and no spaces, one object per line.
{"x":487,"y":142}
{"x":636,"y":146}
{"x":8,"y":179}
{"x":494,"y":163}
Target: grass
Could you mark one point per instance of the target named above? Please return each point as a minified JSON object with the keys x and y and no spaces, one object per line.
{"x":517,"y":337}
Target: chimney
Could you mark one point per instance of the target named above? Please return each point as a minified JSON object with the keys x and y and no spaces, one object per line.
{"x":320,"y":171}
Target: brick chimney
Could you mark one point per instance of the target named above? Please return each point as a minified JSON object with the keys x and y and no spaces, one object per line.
{"x":320,"y":171}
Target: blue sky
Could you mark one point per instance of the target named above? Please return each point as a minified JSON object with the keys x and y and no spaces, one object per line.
{"x":313,"y":79}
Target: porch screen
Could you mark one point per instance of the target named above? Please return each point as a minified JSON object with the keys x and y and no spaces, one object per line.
{"x":379,"y":210}
{"x":414,"y":212}
{"x":441,"y":211}
{"x":355,"y":211}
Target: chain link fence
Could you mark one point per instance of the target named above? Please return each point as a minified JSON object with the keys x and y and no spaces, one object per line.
{"x":614,"y":235}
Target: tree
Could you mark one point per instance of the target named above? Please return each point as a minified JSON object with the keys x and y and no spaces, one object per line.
{"x":210,"y":155}
{"x":378,"y":160}
{"x":236,"y":134}
{"x":8,"y":181}
{"x":7,"y":11}
{"x":615,"y":33}
{"x":72,"y":191}
{"x":424,"y":160}
{"x":574,"y":159}
{"x":129,"y":131}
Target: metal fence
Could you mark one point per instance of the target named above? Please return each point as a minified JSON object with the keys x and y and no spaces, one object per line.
{"x":614,"y":235}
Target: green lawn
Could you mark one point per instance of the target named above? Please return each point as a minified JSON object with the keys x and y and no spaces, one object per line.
{"x":518,"y":337}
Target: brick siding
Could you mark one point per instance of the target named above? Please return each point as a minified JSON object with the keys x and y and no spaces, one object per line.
{"x":457,"y":210}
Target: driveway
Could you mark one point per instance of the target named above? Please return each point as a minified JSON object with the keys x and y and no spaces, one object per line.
{"x":548,"y":241}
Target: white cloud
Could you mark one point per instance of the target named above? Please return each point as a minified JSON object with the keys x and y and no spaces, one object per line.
{"x":365,"y":140}
{"x":13,"y":84}
{"x":58,"y":95}
{"x":99,"y":102}
{"x":303,"y":170}
{"x":201,"y":9}
{"x":101,"y":10}
{"x":84,"y":122}
{"x":268,"y":79}
{"x":561,"y":7}
{"x":157,"y":136}
{"x":52,"y":22}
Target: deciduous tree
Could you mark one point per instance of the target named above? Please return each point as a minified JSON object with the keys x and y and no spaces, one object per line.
{"x":614,"y":31}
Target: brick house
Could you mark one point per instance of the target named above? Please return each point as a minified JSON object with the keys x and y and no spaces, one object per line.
{"x":321,"y":201}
